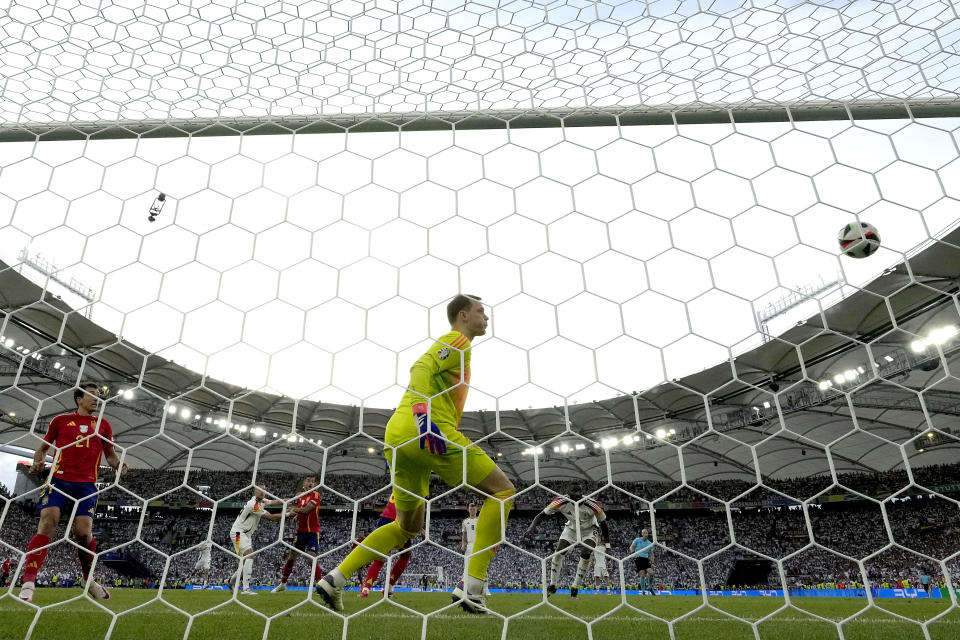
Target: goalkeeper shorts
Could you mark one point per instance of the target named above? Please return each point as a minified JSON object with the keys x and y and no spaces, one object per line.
{"x":412,"y":465}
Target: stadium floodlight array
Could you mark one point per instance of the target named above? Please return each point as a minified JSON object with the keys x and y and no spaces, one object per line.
{"x":247,"y":219}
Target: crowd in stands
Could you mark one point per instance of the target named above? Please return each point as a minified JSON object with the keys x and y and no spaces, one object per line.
{"x":849,"y":532}
{"x":372,"y":490}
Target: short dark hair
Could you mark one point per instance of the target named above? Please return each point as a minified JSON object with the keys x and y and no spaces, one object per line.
{"x":460,"y":302}
{"x":81,"y":390}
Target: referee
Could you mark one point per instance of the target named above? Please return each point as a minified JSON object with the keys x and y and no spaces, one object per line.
{"x":642,"y":548}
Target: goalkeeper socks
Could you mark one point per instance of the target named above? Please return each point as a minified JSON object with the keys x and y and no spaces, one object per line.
{"x":35,"y":558}
{"x":247,"y":570}
{"x":373,"y":572}
{"x":490,"y":527}
{"x":582,"y":567}
{"x":86,"y":557}
{"x":556,"y":564}
{"x":287,"y":570}
{"x":398,"y":568}
{"x":375,"y":546}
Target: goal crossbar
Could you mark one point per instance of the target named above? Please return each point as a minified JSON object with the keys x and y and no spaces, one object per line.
{"x":501,"y":119}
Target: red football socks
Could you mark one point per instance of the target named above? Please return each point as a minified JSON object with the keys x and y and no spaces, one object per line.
{"x":35,"y":558}
{"x":373,"y":572}
{"x":288,"y":569}
{"x":86,"y":557}
{"x":398,"y":568}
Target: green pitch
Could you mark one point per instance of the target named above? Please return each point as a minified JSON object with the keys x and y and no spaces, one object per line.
{"x":299,"y":618}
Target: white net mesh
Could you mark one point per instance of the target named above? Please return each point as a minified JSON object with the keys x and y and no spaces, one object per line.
{"x":128,"y":62}
{"x":671,"y":325}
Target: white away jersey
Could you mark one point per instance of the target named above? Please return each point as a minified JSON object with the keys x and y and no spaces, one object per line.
{"x":588,"y":512}
{"x":205,"y":551}
{"x":249,"y":517}
{"x":469,"y":531}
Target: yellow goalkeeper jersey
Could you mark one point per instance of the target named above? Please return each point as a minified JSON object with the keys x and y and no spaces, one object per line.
{"x":442,"y":375}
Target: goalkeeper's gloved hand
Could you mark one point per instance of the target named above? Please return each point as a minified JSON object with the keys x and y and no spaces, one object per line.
{"x":431,"y":437}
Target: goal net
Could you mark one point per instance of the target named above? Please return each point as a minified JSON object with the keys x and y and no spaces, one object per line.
{"x":244,"y":221}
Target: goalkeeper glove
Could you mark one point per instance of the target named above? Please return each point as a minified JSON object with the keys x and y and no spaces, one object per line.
{"x":431,"y":437}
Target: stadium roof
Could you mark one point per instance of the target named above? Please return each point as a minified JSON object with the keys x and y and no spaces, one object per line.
{"x":869,"y":422}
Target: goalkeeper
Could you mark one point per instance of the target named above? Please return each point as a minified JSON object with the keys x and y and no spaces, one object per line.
{"x":421,"y":438}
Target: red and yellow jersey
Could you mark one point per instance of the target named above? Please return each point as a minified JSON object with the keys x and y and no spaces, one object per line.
{"x":441,"y":377}
{"x":80,"y":442}
{"x":309,"y":521}
{"x":390,"y":511}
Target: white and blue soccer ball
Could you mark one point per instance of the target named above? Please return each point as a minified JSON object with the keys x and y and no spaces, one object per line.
{"x":859,"y":239}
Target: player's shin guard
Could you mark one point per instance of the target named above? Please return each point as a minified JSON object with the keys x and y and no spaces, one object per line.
{"x":582,"y":567}
{"x":373,"y":572}
{"x":35,"y":558}
{"x":375,"y":546}
{"x":287,"y":570}
{"x":86,"y":557}
{"x":398,"y":568}
{"x":490,"y":527}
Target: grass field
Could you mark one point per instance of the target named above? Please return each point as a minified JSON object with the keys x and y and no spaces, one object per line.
{"x":293,"y":615}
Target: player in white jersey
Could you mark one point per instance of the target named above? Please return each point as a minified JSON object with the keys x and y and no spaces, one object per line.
{"x":241,"y":533}
{"x":468,"y":533}
{"x":586,"y":528}
{"x":202,"y":567}
{"x":601,"y":575}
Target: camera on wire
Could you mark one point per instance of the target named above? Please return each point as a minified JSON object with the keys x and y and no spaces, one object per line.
{"x":157,"y":207}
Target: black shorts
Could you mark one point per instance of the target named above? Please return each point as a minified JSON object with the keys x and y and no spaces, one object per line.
{"x":642,"y":563}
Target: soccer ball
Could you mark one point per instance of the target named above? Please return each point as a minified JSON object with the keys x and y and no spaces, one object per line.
{"x":859,"y":239}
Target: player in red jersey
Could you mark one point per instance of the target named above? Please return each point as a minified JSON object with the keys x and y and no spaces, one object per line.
{"x":79,"y":439}
{"x":388,"y":515}
{"x":308,"y":530}
{"x":7,"y":565}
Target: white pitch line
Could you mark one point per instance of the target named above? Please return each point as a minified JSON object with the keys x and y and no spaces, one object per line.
{"x":557,"y":618}
{"x":638,"y":619}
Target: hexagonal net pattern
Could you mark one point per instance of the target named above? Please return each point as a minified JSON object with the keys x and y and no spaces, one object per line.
{"x":672,"y":330}
{"x":189,"y":62}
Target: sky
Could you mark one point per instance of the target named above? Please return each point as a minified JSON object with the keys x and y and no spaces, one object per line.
{"x":319,"y":266}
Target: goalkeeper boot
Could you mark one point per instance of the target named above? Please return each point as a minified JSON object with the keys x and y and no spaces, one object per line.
{"x":26,"y":591}
{"x":574,"y":592}
{"x":551,"y":589}
{"x":280,"y":587}
{"x":474,"y":603}
{"x":330,"y":593}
